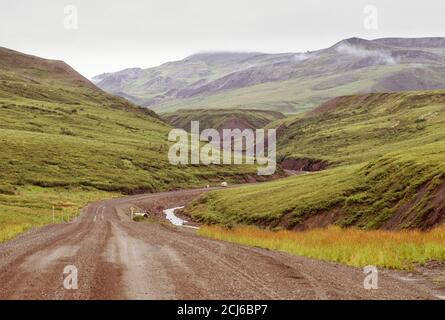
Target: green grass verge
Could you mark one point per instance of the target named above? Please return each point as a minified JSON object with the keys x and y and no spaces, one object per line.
{"x":33,"y":206}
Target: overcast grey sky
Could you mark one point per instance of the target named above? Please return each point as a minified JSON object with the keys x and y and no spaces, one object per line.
{"x":114,"y":35}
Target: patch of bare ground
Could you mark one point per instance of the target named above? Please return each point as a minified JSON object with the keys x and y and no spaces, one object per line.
{"x":321,"y":220}
{"x":430,"y":276}
{"x":430,"y":199}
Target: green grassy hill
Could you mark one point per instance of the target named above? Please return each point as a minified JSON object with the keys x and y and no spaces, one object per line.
{"x":220,"y":118}
{"x":354,"y":129}
{"x":386,"y":155}
{"x":66,"y":142}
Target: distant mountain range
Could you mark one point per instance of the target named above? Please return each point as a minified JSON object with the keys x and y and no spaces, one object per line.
{"x":286,"y":82}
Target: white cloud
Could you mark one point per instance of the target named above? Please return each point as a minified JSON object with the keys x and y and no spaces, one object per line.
{"x":360,"y":52}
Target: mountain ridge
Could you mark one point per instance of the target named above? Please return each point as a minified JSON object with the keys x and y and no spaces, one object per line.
{"x":29,"y":65}
{"x":285,"y":82}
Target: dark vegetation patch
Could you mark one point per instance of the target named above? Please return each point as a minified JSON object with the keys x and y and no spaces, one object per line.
{"x":304,"y":164}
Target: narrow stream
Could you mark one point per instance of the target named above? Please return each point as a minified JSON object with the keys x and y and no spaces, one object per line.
{"x":170,"y":216}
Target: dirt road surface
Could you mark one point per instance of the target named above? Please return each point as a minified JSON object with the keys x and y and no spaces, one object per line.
{"x":117,"y":258}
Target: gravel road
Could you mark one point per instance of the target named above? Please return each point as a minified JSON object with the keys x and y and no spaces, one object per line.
{"x":117,"y":258}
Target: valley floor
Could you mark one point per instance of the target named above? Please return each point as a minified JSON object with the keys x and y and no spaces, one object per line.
{"x":119,"y":258}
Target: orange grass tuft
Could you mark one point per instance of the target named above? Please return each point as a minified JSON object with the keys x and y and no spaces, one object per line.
{"x":390,"y":249}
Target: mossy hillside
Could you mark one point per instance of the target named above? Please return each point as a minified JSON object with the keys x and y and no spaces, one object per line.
{"x":60,"y":133}
{"x":382,"y":149}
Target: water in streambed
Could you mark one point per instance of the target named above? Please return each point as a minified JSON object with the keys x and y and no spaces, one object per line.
{"x":170,"y":216}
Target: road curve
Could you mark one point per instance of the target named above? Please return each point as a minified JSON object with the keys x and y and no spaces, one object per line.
{"x":117,"y":258}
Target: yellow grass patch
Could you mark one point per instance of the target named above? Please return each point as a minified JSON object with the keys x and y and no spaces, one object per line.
{"x":358,"y":248}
